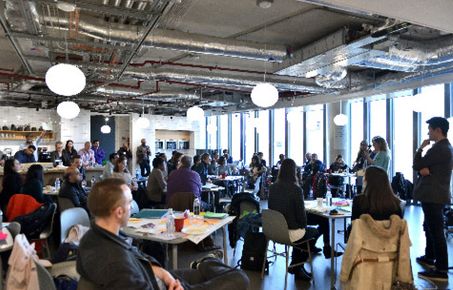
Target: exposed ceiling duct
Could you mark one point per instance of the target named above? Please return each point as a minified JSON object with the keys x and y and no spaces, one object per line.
{"x":116,"y":33}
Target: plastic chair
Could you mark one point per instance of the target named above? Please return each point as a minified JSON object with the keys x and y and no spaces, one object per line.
{"x":46,"y":233}
{"x":14,"y":229}
{"x":134,"y":207}
{"x":70,"y":217}
{"x":275,"y":229}
{"x":45,"y":280}
{"x":180,"y":201}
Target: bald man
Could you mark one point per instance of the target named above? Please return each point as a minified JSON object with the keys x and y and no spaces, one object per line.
{"x":72,"y":188}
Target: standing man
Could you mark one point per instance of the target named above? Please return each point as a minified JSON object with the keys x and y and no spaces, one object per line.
{"x":432,"y":189}
{"x":99,"y":153}
{"x":29,"y":141}
{"x":143,"y":153}
{"x":87,"y":155}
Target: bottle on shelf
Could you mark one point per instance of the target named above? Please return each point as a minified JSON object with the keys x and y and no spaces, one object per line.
{"x":196,"y":206}
{"x":93,"y":181}
{"x":170,"y":222}
{"x":57,"y":184}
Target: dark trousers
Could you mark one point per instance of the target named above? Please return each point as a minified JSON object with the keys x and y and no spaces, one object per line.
{"x":323,"y":227}
{"x":300,"y":254}
{"x":144,"y":166}
{"x":433,"y":225}
{"x":213,"y":274}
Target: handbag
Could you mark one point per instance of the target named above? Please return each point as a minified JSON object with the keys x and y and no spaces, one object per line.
{"x":397,"y":284}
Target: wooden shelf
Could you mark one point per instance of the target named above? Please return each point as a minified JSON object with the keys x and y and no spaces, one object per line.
{"x":11,"y":135}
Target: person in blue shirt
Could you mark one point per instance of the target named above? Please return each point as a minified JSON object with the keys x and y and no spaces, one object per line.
{"x":202,"y":168}
{"x":26,"y":155}
{"x":99,"y":153}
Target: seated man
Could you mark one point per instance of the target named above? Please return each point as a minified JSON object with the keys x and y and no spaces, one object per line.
{"x":26,"y":155}
{"x":184,"y":180}
{"x":107,"y":259}
{"x":203,"y":168}
{"x":72,"y":189}
{"x":76,"y":162}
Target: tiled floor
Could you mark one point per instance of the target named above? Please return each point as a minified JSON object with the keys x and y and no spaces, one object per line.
{"x":275,"y":279}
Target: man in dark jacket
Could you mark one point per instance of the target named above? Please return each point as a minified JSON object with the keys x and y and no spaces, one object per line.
{"x":109,"y":261}
{"x":203,"y":168}
{"x":72,"y":189}
{"x":433,"y":190}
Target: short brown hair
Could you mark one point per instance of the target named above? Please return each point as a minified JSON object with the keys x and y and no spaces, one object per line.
{"x":105,"y":196}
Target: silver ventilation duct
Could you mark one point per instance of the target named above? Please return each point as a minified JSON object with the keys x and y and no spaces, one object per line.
{"x":159,"y":38}
{"x":148,"y":96}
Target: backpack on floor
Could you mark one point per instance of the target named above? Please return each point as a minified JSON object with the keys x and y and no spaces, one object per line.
{"x":253,"y":252}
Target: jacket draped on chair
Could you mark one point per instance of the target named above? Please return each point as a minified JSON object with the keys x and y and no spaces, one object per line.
{"x":377,"y":254}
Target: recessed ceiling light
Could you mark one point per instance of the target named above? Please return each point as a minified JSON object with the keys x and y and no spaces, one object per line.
{"x":66,"y":7}
{"x":264,"y":3}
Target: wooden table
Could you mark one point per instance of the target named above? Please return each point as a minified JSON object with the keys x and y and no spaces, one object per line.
{"x":135,"y":230}
{"x":344,"y":213}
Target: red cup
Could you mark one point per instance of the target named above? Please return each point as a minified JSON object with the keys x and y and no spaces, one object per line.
{"x":179,"y":223}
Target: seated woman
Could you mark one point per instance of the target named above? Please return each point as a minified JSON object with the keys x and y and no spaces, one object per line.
{"x":286,"y":196}
{"x":337,"y":182}
{"x":11,"y":183}
{"x":378,"y":199}
{"x":157,"y":185}
{"x":120,"y":171}
{"x":34,"y":182}
{"x":256,"y":169}
{"x":222,"y":168}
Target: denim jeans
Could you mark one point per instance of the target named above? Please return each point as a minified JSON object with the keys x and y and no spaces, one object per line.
{"x":433,"y":225}
{"x":144,"y":166}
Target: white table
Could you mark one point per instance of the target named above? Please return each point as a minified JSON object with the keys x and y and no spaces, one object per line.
{"x":311,"y":207}
{"x":178,"y":238}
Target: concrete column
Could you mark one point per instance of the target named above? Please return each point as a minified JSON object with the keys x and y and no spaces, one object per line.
{"x":339,"y":136}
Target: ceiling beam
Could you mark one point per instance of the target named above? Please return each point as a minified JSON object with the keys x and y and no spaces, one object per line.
{"x":434,"y":13}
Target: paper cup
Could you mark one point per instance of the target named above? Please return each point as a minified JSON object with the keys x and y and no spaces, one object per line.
{"x":319,"y":201}
{"x":179,"y":223}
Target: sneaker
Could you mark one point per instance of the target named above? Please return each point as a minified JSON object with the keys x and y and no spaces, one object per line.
{"x":218,"y":254}
{"x":434,"y":275}
{"x":427,"y":262}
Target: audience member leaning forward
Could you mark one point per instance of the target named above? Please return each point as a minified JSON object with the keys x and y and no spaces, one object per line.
{"x":108,"y":260}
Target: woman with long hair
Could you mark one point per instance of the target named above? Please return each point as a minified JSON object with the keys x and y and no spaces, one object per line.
{"x":34,"y":182}
{"x":378,"y":199}
{"x":12,"y":181}
{"x":120,"y":171}
{"x":68,"y":153}
{"x":381,"y":152}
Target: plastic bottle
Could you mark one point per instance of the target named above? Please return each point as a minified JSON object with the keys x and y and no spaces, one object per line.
{"x":1,"y":219}
{"x":170,"y":222}
{"x":57,"y":184}
{"x":93,"y":181}
{"x":137,"y":173}
{"x":196,"y":206}
{"x":328,"y":199}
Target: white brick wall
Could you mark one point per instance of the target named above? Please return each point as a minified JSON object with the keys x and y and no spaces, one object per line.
{"x":77,"y":129}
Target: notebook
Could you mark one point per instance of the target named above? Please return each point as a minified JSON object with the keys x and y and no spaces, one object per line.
{"x":151,"y":213}
{"x":213,"y":215}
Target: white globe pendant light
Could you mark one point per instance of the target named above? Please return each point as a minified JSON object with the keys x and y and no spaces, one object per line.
{"x":105,"y":129}
{"x":68,"y":110}
{"x":195,"y":113}
{"x":340,"y":120}
{"x":65,"y":79}
{"x":143,"y":122}
{"x":264,"y":95}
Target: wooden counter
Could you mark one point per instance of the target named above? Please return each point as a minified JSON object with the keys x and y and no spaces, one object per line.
{"x":51,"y":174}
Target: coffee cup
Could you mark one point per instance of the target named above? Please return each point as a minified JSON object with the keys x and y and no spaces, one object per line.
{"x":179,"y":223}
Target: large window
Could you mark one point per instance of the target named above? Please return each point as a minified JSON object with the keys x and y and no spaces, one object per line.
{"x":431,"y":104}
{"x":295,"y":135}
{"x":263,"y":133}
{"x":279,"y":134}
{"x":315,"y":132}
{"x":356,"y":127}
{"x":211,"y":129}
{"x":378,"y":117}
{"x":403,"y":134}
{"x":223,"y":131}
{"x":236,"y":136}
{"x":249,"y":123}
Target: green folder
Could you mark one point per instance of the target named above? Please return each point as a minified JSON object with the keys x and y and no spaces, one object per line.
{"x":214,"y":215}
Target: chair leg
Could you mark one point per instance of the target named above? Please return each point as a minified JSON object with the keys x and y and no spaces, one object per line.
{"x":265,"y":258}
{"x":310,"y":261}
{"x":286,"y":268}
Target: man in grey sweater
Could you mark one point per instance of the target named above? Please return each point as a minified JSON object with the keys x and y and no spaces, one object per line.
{"x":432,"y":189}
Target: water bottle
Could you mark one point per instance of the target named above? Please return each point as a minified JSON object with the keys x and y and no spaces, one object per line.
{"x":93,"y":181}
{"x":57,"y":184}
{"x":170,"y":222}
{"x":1,"y":219}
{"x":137,"y":173}
{"x":196,"y":206}
{"x":328,"y":199}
